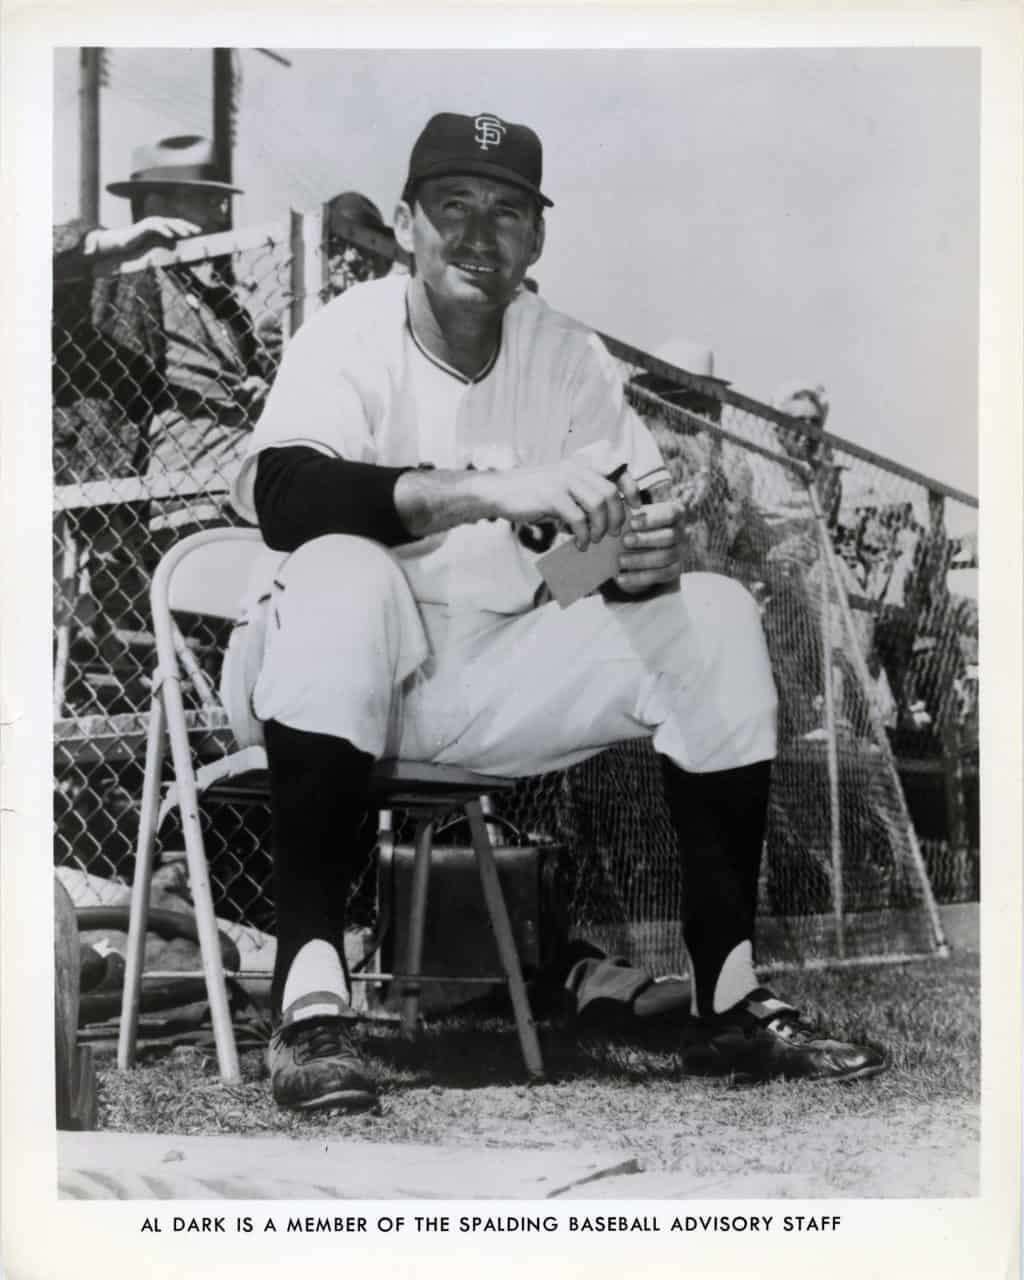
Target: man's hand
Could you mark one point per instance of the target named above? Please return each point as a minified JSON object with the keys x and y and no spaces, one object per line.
{"x":147,"y":233}
{"x":653,"y":546}
{"x":572,"y":492}
{"x":270,"y":336}
{"x":251,"y":394}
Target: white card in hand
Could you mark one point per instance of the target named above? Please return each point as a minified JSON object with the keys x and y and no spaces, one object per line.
{"x":572,"y":574}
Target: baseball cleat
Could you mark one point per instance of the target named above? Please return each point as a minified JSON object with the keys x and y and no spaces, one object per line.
{"x":313,"y":1061}
{"x":763,"y":1038}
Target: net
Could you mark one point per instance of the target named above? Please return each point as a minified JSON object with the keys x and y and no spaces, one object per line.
{"x":849,"y":561}
{"x":852,"y":560}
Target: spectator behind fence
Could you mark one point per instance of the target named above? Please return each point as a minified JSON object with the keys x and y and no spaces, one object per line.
{"x":710,"y":476}
{"x":172,"y":348}
{"x":348,"y":263}
{"x":745,"y":513}
{"x":782,"y":500}
{"x":901,"y":553}
{"x":402,"y":615}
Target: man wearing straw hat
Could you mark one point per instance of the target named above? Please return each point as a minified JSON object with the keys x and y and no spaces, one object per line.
{"x":417,"y":427}
{"x":173,"y":347}
{"x":155,"y":372}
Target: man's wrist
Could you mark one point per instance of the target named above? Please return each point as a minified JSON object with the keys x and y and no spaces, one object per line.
{"x":482,"y":490}
{"x":431,"y":501}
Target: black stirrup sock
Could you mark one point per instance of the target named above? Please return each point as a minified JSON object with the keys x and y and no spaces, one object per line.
{"x":719,"y":820}
{"x":318,"y":797}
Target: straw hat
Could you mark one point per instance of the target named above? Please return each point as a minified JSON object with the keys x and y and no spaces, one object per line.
{"x":183,"y":161}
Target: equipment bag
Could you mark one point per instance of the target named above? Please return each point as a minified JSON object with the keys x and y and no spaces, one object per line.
{"x":458,"y":938}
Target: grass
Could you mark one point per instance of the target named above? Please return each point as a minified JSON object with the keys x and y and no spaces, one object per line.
{"x":910,"y":1131}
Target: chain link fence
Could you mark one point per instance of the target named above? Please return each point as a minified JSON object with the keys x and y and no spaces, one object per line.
{"x":159,"y":374}
{"x":160,"y":369}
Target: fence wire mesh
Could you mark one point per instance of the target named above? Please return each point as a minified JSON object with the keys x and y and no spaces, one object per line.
{"x":159,"y":375}
{"x":160,"y":369}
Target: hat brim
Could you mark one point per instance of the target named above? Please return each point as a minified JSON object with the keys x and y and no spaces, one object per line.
{"x":653,"y":382}
{"x":483,"y":169}
{"x":135,"y":186}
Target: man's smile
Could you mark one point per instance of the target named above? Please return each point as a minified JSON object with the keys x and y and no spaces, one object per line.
{"x":475,"y":268}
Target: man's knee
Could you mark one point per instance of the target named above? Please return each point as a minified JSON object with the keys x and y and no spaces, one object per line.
{"x":723,"y":621}
{"x":345,"y":596}
{"x":355,"y":569}
{"x":343,"y":631}
{"x":715,"y":706}
{"x":714,"y":596}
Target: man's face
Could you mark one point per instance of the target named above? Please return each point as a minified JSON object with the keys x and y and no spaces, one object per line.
{"x":796,"y":444}
{"x":473,"y":238}
{"x":209,"y":210}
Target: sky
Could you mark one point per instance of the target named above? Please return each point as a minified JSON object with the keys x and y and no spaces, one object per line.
{"x":810,"y":214}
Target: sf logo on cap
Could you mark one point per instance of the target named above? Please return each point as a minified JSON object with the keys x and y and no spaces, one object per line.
{"x":489,"y":131}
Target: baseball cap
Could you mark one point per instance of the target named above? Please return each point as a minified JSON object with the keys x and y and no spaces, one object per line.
{"x":483,"y":144}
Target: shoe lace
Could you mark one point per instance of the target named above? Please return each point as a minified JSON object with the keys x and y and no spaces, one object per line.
{"x":792,"y":1026}
{"x":320,"y":1038}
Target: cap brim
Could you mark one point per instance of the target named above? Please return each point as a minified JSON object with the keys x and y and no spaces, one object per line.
{"x":483,"y":169}
{"x":132,"y":186}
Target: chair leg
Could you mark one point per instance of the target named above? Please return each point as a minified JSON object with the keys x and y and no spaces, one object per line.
{"x":199,"y":883}
{"x":417,"y":923}
{"x":502,"y":926}
{"x":136,"y":947}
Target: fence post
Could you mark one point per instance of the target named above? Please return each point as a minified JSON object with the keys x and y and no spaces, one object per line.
{"x":308,"y":266}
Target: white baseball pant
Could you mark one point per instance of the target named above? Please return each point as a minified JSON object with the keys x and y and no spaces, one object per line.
{"x":347,"y":651}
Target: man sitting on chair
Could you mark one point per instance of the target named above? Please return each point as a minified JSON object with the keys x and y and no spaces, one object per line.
{"x":428,"y":436}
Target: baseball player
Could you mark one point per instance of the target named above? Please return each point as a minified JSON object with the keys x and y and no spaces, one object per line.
{"x":424,"y":441}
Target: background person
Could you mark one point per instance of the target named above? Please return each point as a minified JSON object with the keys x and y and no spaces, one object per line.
{"x":710,"y":477}
{"x":173,"y":346}
{"x":348,"y":263}
{"x":155,"y":372}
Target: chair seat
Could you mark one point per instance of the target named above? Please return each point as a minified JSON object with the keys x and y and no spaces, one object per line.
{"x":399,"y":780}
{"x":243,"y":776}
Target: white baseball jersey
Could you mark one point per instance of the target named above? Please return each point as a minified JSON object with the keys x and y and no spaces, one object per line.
{"x":356,"y":384}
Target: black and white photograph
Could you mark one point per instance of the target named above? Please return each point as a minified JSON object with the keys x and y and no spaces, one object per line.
{"x":513,"y":680}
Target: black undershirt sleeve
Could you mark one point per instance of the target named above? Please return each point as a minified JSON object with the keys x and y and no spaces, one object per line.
{"x":301,"y":494}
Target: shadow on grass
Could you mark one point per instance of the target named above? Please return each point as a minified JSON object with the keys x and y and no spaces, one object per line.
{"x":471,"y":1052}
{"x":925,"y":1016}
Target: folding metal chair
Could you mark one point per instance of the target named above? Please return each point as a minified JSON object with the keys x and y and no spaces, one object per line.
{"x":204,"y":574}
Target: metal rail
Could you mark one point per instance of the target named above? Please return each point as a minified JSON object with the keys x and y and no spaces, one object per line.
{"x":717,"y":390}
